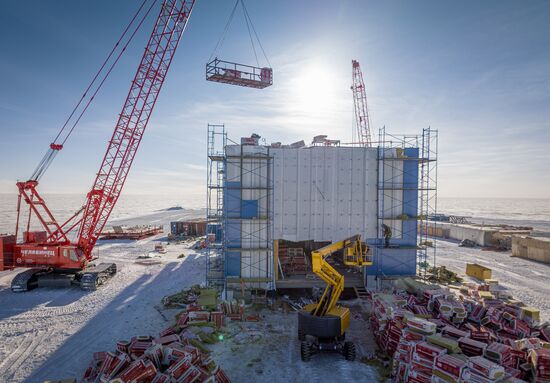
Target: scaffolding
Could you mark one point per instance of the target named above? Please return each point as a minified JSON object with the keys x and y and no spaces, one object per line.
{"x":407,"y":196}
{"x":428,"y":198}
{"x":239,"y":202}
{"x":216,"y":143}
{"x":247,"y":217}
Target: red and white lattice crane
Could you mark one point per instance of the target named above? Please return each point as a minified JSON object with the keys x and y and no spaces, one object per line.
{"x":362,"y":121}
{"x":50,"y":253}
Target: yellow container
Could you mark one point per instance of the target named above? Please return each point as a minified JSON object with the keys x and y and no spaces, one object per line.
{"x":478,"y":271}
{"x":531,"y":312}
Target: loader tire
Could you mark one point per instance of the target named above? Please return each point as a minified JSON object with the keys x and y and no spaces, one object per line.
{"x":305,"y":351}
{"x":349,"y":351}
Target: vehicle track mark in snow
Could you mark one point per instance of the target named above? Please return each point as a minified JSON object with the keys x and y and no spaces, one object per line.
{"x":16,"y":359}
{"x":52,"y":333}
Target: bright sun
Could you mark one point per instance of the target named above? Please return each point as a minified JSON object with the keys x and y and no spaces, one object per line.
{"x":314,"y":89}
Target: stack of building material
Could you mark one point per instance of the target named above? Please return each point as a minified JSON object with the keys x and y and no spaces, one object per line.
{"x":535,"y":248}
{"x":490,"y":340}
{"x":174,"y":356}
{"x":530,"y":315}
{"x":133,"y":232}
{"x":174,"y":361}
{"x":471,"y":347}
{"x":450,"y":368}
{"x":423,"y":362}
{"x":233,"y":309}
{"x":483,"y":370}
{"x":195,"y":227}
{"x":500,"y":353}
{"x":540,"y":364}
{"x":497,"y":236}
{"x":450,"y":310}
{"x":293,"y":260}
{"x":454,"y":333}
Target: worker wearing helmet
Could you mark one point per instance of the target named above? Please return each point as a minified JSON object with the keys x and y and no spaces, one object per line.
{"x":386,"y":230}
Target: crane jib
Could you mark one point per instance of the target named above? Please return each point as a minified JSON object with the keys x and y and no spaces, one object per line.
{"x":133,"y":119}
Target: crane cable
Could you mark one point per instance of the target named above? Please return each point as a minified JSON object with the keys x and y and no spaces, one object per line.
{"x":250,"y":34}
{"x":55,"y":146}
{"x":249,"y":24}
{"x":224,"y":33}
{"x":109,"y":71}
{"x":255,"y":33}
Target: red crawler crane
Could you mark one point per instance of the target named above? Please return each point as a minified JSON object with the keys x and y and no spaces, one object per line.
{"x":360,"y":101}
{"x":49,"y":253}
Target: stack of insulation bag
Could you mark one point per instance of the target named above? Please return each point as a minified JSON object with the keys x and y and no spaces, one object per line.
{"x":435,"y":335}
{"x":169,"y":358}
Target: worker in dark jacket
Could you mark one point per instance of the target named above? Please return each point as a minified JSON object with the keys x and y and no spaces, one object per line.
{"x":386,"y":230}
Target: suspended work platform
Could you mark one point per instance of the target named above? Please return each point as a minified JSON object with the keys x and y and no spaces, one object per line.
{"x":239,"y":74}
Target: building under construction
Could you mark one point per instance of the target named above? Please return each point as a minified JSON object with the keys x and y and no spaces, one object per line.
{"x":274,"y":204}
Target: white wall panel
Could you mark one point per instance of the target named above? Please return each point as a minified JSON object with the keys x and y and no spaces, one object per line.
{"x":324,"y":193}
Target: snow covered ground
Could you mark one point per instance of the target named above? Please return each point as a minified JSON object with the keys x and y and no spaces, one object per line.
{"x":269,"y":350}
{"x":526,"y":280}
{"x":51,"y":333}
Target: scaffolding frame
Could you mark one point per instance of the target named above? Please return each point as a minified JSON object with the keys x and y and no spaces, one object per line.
{"x":428,"y":197}
{"x":257,"y":231}
{"x":216,"y":143}
{"x":391,"y":185}
{"x":253,"y":173}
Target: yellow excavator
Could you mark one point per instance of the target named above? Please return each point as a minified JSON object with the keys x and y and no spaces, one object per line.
{"x":322,"y":326}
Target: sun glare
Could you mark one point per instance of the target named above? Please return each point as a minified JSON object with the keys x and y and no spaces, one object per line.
{"x":314,"y":89}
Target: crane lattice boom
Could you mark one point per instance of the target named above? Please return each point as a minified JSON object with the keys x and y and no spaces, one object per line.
{"x":133,"y":120}
{"x":49,"y":255}
{"x":360,"y":102}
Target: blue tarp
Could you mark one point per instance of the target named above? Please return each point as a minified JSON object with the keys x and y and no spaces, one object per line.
{"x":232,"y":264}
{"x":249,"y":208}
{"x":392,"y":262}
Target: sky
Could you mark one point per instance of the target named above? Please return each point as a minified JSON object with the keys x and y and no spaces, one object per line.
{"x":477,"y":71}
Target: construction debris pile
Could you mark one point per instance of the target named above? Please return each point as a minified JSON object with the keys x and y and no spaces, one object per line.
{"x":177,"y":354}
{"x":441,"y":274}
{"x":293,"y":260}
{"x":474,"y":334}
{"x":183,"y":298}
